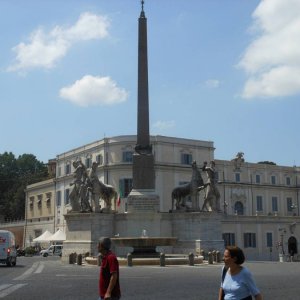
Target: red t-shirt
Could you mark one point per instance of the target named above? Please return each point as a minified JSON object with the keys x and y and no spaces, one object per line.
{"x":109,"y":265}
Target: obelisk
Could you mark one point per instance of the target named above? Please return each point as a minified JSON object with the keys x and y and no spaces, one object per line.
{"x":142,"y":196}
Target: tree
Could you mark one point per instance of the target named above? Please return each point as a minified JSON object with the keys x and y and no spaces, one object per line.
{"x":15,"y":175}
{"x":266,"y":162}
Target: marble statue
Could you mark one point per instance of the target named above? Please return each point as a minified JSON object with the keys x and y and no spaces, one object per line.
{"x":86,"y":183}
{"x":93,"y":183}
{"x":238,"y":160}
{"x":212,"y":194}
{"x":179,"y":193}
{"x":79,"y":196}
{"x":99,"y":190}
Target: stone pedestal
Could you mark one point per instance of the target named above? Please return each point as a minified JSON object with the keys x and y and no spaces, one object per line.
{"x":83,"y":231}
{"x":194,"y":231}
{"x":197,"y":231}
{"x":140,"y":201}
{"x":143,"y":173}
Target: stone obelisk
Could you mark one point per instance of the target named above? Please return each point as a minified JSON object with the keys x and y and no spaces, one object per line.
{"x":142,"y":196}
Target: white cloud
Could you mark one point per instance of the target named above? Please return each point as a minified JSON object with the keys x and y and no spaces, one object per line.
{"x":163,"y":125}
{"x":91,"y":90}
{"x":272,"y":60}
{"x":212,"y":83}
{"x":43,"y":50}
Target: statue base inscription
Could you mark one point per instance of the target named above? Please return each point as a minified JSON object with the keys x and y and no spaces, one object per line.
{"x":142,"y":201}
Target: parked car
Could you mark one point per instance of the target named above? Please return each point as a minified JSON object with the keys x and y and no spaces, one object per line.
{"x":52,"y":250}
{"x":8,"y":251}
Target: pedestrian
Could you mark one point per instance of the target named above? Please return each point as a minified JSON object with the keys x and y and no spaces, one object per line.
{"x":109,"y":287}
{"x":237,"y":281}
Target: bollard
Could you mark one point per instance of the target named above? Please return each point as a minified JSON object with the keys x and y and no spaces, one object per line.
{"x":214,"y":255}
{"x":129,"y":260}
{"x":204,"y":254}
{"x":71,"y":258}
{"x":162,"y":260}
{"x":218,"y":256}
{"x":99,"y":260}
{"x":210,"y":258}
{"x":191,"y":259}
{"x":79,"y":259}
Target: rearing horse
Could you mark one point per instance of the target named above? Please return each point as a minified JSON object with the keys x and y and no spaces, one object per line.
{"x":99,"y":190}
{"x":179,"y":193}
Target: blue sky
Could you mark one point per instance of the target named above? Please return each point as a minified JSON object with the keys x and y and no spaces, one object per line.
{"x":226,"y":71}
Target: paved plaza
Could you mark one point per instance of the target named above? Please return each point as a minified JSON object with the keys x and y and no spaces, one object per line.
{"x":275,"y":280}
{"x":47,"y":278}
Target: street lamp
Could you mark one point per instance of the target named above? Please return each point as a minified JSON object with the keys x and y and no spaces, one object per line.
{"x":294,"y":207}
{"x":225,"y":207}
{"x":282,"y":231}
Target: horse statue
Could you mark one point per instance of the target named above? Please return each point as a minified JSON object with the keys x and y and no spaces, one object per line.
{"x":93,"y":183}
{"x":179,"y":193}
{"x":99,"y":190}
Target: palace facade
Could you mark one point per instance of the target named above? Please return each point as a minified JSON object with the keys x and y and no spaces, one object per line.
{"x":259,"y":201}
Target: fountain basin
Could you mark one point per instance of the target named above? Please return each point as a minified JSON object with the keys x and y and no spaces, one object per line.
{"x":144,"y":246}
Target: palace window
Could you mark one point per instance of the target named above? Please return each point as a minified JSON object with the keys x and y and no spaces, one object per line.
{"x":68,"y":168}
{"x":229,"y":239}
{"x":288,"y":181}
{"x":273,"y":179}
{"x":269,"y":239}
{"x":249,"y":240}
{"x":257,"y":178}
{"x":88,"y":162}
{"x":186,"y":159}
{"x":99,"y":159}
{"x":67,"y":194}
{"x":274,"y":204}
{"x":237,"y":177}
{"x":216,"y":177}
{"x":127,"y":156}
{"x":289,"y":204}
{"x":259,"y":203}
{"x":125,"y":187}
{"x":239,"y":208}
{"x":58,"y":198}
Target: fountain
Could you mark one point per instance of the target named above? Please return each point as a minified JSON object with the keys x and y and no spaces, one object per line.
{"x":144,"y":246}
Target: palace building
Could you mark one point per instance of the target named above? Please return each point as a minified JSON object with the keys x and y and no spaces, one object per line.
{"x":259,"y":201}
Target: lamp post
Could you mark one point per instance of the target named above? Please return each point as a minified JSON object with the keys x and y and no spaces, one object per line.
{"x":225,"y":207}
{"x":281,"y":247}
{"x":294,"y":207}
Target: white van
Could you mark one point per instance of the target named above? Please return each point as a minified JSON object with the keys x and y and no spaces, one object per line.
{"x":8,"y":251}
{"x":52,"y":250}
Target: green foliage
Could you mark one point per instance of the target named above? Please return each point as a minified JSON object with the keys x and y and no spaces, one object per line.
{"x":29,"y":251}
{"x":267,"y":163}
{"x":15,"y":175}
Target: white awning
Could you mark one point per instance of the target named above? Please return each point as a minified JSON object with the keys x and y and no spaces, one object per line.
{"x":58,"y":236}
{"x":43,"y":237}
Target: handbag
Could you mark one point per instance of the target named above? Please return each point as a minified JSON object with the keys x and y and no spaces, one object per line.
{"x":223,"y":277}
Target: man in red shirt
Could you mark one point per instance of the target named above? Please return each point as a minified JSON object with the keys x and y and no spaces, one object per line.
{"x":109,"y":287}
